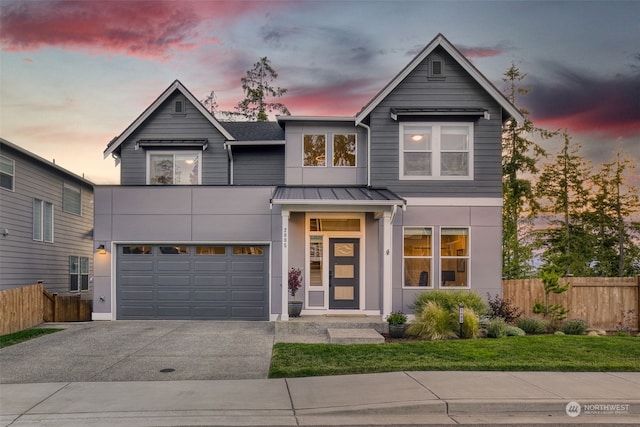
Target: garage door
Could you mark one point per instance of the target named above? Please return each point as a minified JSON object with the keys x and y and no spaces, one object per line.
{"x":168,"y":281}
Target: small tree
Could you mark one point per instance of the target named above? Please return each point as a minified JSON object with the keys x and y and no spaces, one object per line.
{"x":295,"y":281}
{"x":553,"y":312}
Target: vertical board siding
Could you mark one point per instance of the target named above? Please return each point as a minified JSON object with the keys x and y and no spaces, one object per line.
{"x":163,"y":124}
{"x":603,"y":302}
{"x":458,"y":89}
{"x":20,"y":308}
{"x":258,"y":165}
{"x":24,"y":260}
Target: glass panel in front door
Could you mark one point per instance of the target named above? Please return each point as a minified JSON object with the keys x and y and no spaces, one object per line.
{"x":344,"y":267}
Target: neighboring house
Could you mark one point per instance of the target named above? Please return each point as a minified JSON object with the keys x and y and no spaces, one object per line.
{"x":46,"y":224}
{"x":403,"y":197}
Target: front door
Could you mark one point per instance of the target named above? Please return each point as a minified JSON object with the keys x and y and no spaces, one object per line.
{"x":344,"y":273}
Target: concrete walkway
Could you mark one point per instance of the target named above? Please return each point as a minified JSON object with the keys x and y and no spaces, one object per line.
{"x":398,"y":398}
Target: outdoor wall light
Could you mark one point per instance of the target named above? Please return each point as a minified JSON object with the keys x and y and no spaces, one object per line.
{"x":102,"y":250}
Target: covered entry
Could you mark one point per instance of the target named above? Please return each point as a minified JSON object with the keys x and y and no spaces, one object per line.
{"x":205,"y":281}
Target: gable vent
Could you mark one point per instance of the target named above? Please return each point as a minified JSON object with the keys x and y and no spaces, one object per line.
{"x":437,"y":68}
{"x":178,"y":107}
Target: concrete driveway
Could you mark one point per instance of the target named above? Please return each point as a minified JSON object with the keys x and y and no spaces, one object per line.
{"x":142,"y":351}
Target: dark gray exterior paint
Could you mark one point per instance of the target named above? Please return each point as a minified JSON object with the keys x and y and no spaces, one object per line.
{"x":24,"y":261}
{"x":258,"y":165}
{"x":457,"y":89}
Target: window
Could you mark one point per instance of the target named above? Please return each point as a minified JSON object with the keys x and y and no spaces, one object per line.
{"x":418,"y":257}
{"x":42,"y":221}
{"x":436,"y":69}
{"x":314,"y":150}
{"x":7,"y":173}
{"x":174,"y":250}
{"x":344,"y":150}
{"x":71,"y":199}
{"x":137,"y":250}
{"x":436,"y":151}
{"x":454,"y":257}
{"x":178,"y":107}
{"x":78,"y":274}
{"x":247,"y":250}
{"x":174,"y":168}
{"x":334,"y":224}
{"x":211,"y":250}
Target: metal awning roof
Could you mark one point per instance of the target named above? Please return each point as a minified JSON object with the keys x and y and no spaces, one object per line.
{"x":173,"y":143}
{"x":453,"y":111}
{"x":314,"y":195}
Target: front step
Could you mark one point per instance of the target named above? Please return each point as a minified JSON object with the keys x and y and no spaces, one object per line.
{"x":354,"y":336}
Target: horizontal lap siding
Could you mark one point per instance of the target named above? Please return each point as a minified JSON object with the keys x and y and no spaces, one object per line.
{"x":458,"y":89}
{"x":163,"y":124}
{"x":258,"y":165}
{"x":24,"y":261}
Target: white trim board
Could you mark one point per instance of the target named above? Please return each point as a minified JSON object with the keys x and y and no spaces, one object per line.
{"x":454,"y":201}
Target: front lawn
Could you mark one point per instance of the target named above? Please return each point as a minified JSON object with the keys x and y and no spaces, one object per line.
{"x":528,"y":353}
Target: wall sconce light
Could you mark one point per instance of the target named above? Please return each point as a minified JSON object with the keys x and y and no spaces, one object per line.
{"x":102,"y":250}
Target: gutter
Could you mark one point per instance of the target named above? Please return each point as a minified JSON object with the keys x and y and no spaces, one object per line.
{"x":368,"y":152}
{"x":227,"y":148}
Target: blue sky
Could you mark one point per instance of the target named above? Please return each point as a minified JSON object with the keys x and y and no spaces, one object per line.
{"x":74,"y":74}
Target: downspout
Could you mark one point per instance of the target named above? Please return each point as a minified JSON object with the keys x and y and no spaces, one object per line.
{"x":368,"y":152}
{"x":227,"y":147}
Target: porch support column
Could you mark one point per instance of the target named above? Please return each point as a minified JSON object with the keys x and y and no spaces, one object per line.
{"x":387,"y":262}
{"x":285,"y":266}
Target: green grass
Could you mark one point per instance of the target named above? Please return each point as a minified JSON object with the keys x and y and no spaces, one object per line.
{"x":27,"y":334}
{"x":527,"y":353}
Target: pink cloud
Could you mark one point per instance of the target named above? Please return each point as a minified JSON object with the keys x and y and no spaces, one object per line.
{"x":345,"y":99}
{"x":481,"y":52}
{"x":135,"y":28}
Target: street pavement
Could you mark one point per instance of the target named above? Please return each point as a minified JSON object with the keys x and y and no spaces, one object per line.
{"x":113,"y":378}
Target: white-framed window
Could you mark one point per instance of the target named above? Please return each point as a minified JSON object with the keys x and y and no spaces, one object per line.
{"x":436,"y":150}
{"x":344,"y":150}
{"x":314,"y":150}
{"x":454,"y":257}
{"x":174,"y":167}
{"x":7,"y":173}
{"x":78,"y":273}
{"x":72,"y":199}
{"x":418,"y":257}
{"x":42,"y":221}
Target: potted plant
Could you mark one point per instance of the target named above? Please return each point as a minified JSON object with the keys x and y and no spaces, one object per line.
{"x":397,"y":322}
{"x":294,"y":284}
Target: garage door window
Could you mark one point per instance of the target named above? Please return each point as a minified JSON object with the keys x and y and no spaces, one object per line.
{"x":211,"y":250}
{"x":174,"y":250}
{"x":247,"y":250}
{"x":137,"y":250}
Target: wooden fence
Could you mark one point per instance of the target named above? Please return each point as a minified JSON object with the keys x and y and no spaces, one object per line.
{"x":20,"y":308}
{"x":28,"y":306}
{"x":603,"y":302}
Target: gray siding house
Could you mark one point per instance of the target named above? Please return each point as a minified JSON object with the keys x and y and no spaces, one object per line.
{"x":46,"y":224}
{"x":402,"y":198}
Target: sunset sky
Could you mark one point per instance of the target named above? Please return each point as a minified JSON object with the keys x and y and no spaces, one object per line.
{"x":74,"y":74}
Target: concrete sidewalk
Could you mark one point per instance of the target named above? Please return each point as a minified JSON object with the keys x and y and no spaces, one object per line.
{"x":409,"y":398}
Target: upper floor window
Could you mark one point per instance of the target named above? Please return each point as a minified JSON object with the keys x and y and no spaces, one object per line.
{"x":344,"y":150}
{"x":71,"y":199}
{"x":174,"y":168}
{"x":7,"y":173}
{"x":314,"y":150}
{"x":42,"y":221}
{"x":436,"y":151}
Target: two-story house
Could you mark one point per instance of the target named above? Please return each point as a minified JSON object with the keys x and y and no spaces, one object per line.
{"x":46,"y":224}
{"x":402,"y":198}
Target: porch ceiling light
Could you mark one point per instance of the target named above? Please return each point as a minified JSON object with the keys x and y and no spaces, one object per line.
{"x":102,"y":250}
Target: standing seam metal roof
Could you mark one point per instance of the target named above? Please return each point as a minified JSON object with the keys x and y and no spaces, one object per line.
{"x":335,"y":195}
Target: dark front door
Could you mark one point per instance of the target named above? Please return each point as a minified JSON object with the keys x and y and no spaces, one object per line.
{"x":344,"y":273}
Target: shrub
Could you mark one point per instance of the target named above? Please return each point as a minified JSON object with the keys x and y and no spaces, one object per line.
{"x":450,"y":300}
{"x":574,"y":327}
{"x":433,"y":322}
{"x":471,"y":323}
{"x":397,"y":318}
{"x":497,"y":328}
{"x":503,"y":308}
{"x":514,"y":331}
{"x":533,"y":325}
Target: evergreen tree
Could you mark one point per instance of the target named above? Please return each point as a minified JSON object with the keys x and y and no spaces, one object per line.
{"x":519,"y":156}
{"x":257,"y":88}
{"x":563,"y":193}
{"x":615,"y":237}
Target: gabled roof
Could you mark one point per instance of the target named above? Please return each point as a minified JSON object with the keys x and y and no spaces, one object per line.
{"x":175,"y":86}
{"x":44,"y":162}
{"x":255,"y":131}
{"x":441,"y":41}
